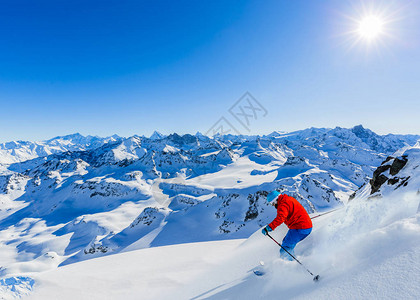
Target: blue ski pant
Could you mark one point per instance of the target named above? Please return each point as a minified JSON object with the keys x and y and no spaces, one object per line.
{"x":293,"y":237}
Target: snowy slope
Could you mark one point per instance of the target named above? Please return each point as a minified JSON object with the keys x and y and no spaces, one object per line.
{"x":381,"y":263}
{"x":368,"y":250}
{"x":142,"y":192}
{"x":361,"y":252}
{"x":142,"y":274}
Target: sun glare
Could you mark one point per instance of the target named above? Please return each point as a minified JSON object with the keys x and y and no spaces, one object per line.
{"x":370,"y":27}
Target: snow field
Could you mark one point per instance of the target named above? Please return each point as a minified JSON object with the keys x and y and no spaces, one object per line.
{"x":141,"y":274}
{"x":370,"y":250}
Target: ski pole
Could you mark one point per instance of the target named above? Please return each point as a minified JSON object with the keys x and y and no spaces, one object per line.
{"x":316,"y":278}
{"x":326,"y":213}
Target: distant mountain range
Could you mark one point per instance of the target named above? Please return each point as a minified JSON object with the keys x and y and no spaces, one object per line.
{"x":72,"y":198}
{"x":19,"y":151}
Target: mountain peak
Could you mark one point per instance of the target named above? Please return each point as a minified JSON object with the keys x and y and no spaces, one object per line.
{"x":156,"y":135}
{"x":362,"y":132}
{"x":184,"y":139}
{"x":67,"y":137}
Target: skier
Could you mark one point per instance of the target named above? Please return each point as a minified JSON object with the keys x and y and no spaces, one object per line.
{"x":292,"y":213}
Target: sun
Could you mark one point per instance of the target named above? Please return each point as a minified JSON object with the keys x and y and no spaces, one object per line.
{"x":370,"y":27}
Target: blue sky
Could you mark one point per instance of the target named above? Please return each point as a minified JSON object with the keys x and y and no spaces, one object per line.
{"x":132,"y":67}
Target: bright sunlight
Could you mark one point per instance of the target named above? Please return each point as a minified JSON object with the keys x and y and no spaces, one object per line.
{"x":370,"y":27}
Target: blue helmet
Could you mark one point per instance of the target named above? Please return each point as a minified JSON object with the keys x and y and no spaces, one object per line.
{"x":272,"y":196}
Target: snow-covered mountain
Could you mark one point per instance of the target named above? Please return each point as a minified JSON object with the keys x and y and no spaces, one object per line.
{"x":156,"y":135}
{"x":368,"y":249}
{"x":94,"y":197}
{"x":18,"y":151}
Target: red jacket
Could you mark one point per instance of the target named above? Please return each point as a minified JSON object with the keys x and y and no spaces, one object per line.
{"x":292,"y":213}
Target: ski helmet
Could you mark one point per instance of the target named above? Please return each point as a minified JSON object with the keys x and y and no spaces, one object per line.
{"x":272,"y":196}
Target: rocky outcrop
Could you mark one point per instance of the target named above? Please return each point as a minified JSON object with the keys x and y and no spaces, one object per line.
{"x":253,"y":211}
{"x":12,"y":183}
{"x":386,"y":172}
{"x":397,"y":165}
{"x":147,"y":217}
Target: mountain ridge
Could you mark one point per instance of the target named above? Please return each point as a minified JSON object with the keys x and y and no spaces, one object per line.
{"x":139,"y":192}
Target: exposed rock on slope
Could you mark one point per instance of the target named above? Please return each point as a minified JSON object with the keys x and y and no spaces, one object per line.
{"x":395,"y":173}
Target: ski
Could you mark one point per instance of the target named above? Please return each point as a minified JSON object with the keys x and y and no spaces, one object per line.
{"x":259,"y":273}
{"x":260,"y":269}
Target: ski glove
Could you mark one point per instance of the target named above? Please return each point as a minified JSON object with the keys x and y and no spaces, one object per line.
{"x":266,"y":230}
